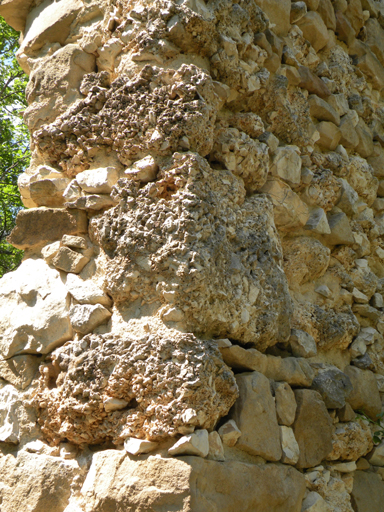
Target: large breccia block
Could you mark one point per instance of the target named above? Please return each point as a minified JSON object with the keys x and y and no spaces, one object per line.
{"x":106,"y":387}
{"x":196,"y":246}
{"x":34,"y":305}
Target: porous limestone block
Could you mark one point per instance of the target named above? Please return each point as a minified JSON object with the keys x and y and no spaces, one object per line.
{"x":69,"y":261}
{"x":334,"y":387}
{"x":312,"y":428}
{"x":302,"y":344}
{"x":305,"y":260}
{"x":216,"y":449}
{"x":139,"y":446}
{"x":36,"y":482}
{"x":128,"y":407}
{"x":98,"y":181}
{"x":255,"y":414}
{"x":286,"y":164}
{"x":200,"y":292}
{"x":85,"y":318}
{"x":229,"y":433}
{"x":314,"y":30}
{"x":186,"y":484}
{"x":285,"y":403}
{"x":365,"y":395}
{"x":193,"y":444}
{"x":34,"y":307}
{"x":45,"y":225}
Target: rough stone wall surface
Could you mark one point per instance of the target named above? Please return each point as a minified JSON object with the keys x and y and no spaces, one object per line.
{"x":198,"y":322}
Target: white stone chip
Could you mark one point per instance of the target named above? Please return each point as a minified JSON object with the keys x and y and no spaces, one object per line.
{"x":193,"y":444}
{"x":137,"y":446}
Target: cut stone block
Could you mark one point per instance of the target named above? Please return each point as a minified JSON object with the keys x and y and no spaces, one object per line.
{"x":85,"y":318}
{"x":69,"y":261}
{"x":312,"y":428}
{"x":255,"y":414}
{"x":98,"y":181}
{"x":44,"y":225}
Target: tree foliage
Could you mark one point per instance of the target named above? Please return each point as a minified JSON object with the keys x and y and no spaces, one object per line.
{"x":14,"y":142}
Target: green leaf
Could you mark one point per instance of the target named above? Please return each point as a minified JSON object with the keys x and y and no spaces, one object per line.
{"x":14,"y":142}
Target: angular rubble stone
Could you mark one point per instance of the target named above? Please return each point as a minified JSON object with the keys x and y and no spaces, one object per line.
{"x":92,"y":202}
{"x":229,"y":433}
{"x":296,"y":372}
{"x":150,"y":414}
{"x":314,"y":503}
{"x":144,"y":170}
{"x":365,"y":395}
{"x":290,"y":211}
{"x":327,"y":13}
{"x":302,"y":344}
{"x":289,"y":446}
{"x":216,"y":449}
{"x":346,"y":413}
{"x":36,"y":483}
{"x":339,"y":103}
{"x":194,"y":444}
{"x":44,"y":225}
{"x":371,"y":67}
{"x":48,"y":192}
{"x":298,"y":10}
{"x":318,"y":222}
{"x":349,"y":137}
{"x":255,"y":415}
{"x":286,"y":164}
{"x":376,"y":457}
{"x":19,"y":370}
{"x":334,"y":386}
{"x":285,"y":403}
{"x":85,"y":291}
{"x":322,"y":110}
{"x":312,"y":428}
{"x":98,"y":181}
{"x":330,"y":135}
{"x":348,"y":199}
{"x":85,"y":318}
{"x":312,"y":83}
{"x":34,"y":306}
{"x":344,"y":29}
{"x":278,"y":12}
{"x":138,"y":446}
{"x":186,"y":484}
{"x":341,"y":232}
{"x":314,"y":30}
{"x":74,"y":242}
{"x":368,"y":492}
{"x":49,"y":251}
{"x":17,"y":419}
{"x":69,"y":261}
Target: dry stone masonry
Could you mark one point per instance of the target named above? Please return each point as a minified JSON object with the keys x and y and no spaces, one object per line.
{"x":198,"y":322}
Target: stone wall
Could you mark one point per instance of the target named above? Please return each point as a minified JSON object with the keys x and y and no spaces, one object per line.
{"x":197,"y":325}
